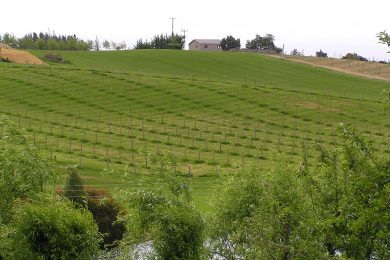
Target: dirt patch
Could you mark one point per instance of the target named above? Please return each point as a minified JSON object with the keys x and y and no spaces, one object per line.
{"x":308,"y":105}
{"x":315,"y":106}
{"x":21,"y":57}
{"x":370,"y":70}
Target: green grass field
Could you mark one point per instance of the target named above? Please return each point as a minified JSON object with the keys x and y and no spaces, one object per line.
{"x":213,"y":110}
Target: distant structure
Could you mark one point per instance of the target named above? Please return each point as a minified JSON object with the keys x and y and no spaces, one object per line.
{"x":205,"y":45}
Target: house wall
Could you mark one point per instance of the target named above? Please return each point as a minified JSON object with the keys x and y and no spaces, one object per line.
{"x":196,"y":46}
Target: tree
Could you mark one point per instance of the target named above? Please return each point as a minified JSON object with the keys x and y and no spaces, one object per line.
{"x":71,"y":43}
{"x":384,"y":38}
{"x":52,"y":229}
{"x":106,"y":44}
{"x":40,"y":44}
{"x":122,"y":45}
{"x":229,"y":43}
{"x":321,"y":54}
{"x":52,"y":44}
{"x":24,"y":171}
{"x":295,"y":52}
{"x":262,"y":43}
{"x":350,"y":191}
{"x":263,"y":215}
{"x":142,"y":45}
{"x":162,"y":211}
{"x":74,"y":188}
{"x":96,"y":44}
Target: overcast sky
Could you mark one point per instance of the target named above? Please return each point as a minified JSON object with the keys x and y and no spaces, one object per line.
{"x":335,"y":26}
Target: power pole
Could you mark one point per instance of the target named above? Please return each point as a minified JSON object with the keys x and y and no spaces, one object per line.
{"x":184,"y":32}
{"x":173,"y":20}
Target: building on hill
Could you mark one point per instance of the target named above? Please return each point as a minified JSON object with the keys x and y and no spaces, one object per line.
{"x":205,"y":45}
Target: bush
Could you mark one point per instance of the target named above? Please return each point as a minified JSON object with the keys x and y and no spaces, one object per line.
{"x":106,"y":212}
{"x":179,"y":233}
{"x":354,"y":56}
{"x":53,"y":229}
{"x":74,"y":188}
{"x":24,"y":171}
{"x":57,"y":58}
{"x":161,"y":211}
{"x":321,"y":54}
{"x":4,"y":59}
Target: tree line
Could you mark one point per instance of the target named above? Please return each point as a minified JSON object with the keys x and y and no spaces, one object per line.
{"x":162,"y":41}
{"x":51,"y":41}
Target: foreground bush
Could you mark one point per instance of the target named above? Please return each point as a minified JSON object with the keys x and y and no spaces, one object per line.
{"x":24,"y":171}
{"x":163,"y":213}
{"x":107,"y":215}
{"x":339,"y":207}
{"x":53,"y":229}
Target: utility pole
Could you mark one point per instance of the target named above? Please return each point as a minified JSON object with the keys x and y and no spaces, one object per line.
{"x":184,"y":32}
{"x":173,"y":20}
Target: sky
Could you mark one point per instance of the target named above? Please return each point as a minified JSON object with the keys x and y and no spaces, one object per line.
{"x":335,"y":26}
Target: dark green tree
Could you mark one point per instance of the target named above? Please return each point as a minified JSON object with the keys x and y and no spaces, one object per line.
{"x":74,"y":188}
{"x":142,"y":45}
{"x":262,"y":43}
{"x":229,"y":43}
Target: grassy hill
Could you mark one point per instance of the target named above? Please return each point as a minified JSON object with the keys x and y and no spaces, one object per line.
{"x":212,"y":110}
{"x":238,"y":67}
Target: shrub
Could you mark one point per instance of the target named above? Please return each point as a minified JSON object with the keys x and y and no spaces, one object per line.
{"x":106,"y":212}
{"x":24,"y":171}
{"x":57,"y":58}
{"x":354,"y":56}
{"x":53,"y":229}
{"x":162,"y":211}
{"x":321,"y":54}
{"x":74,"y":188}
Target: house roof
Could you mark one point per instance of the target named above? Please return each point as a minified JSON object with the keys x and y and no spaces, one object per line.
{"x":207,"y":41}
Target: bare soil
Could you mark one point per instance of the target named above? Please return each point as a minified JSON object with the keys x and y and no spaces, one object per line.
{"x":21,"y":57}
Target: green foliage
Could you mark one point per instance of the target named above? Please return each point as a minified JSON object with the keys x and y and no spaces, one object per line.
{"x":164,"y":213}
{"x":229,"y":43}
{"x":74,"y":188}
{"x":48,"y":41}
{"x":263,"y":215}
{"x":384,"y":38}
{"x":24,"y":171}
{"x":52,"y":229}
{"x":162,"y":41}
{"x":108,"y":214}
{"x":339,"y":207}
{"x":262,"y":43}
{"x":350,"y":190}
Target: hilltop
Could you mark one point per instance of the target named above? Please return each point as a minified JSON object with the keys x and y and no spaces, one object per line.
{"x":237,"y":67}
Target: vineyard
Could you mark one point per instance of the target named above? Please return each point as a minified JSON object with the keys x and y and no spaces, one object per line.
{"x":104,"y":117}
